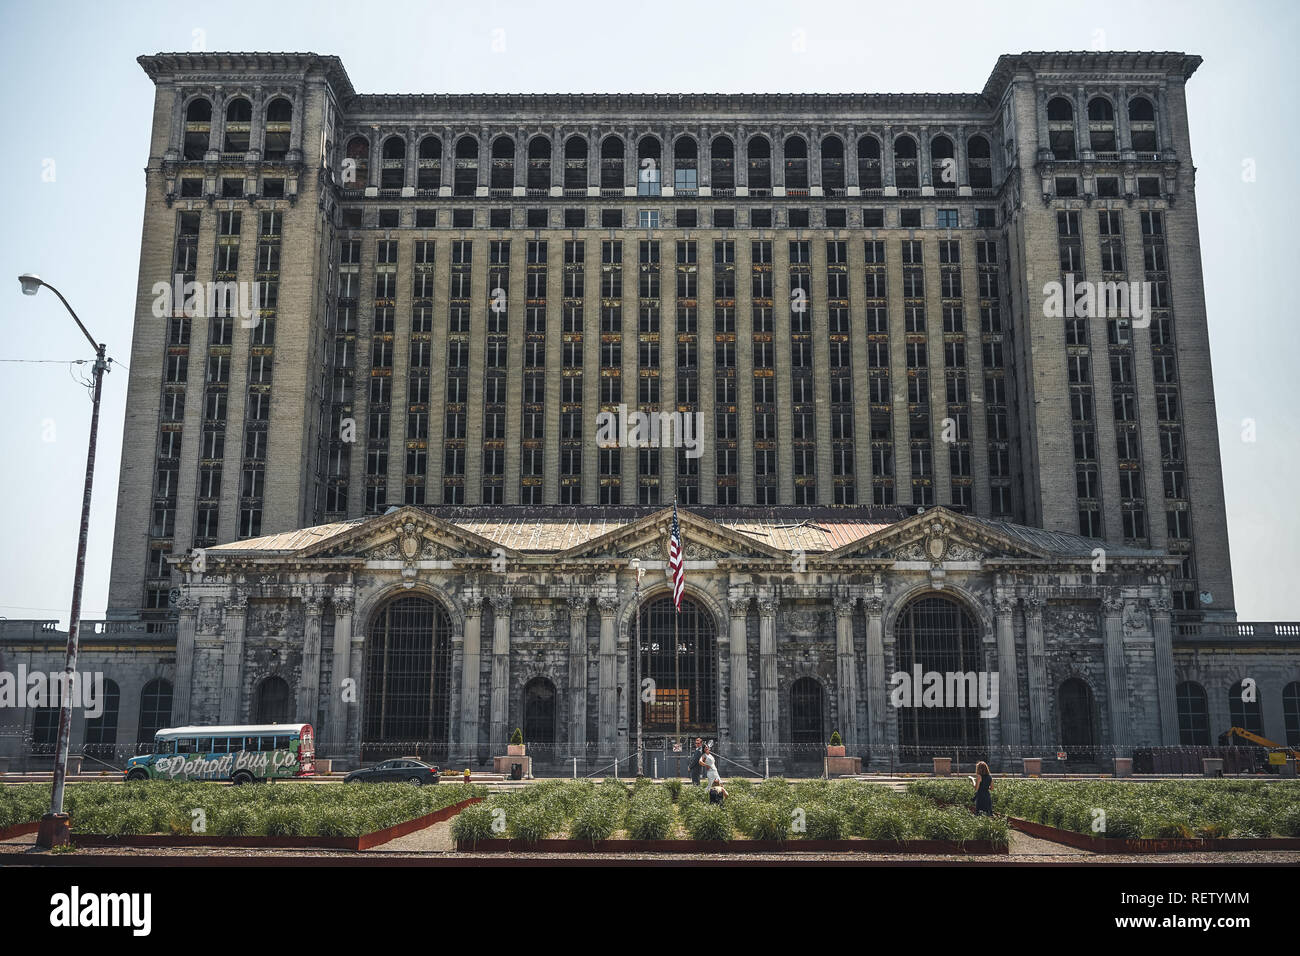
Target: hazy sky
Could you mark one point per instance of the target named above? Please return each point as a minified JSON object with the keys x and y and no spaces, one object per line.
{"x":75,"y":98}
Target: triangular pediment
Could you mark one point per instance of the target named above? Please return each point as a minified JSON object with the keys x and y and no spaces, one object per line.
{"x":937,"y":536}
{"x":647,"y":538}
{"x":408,"y":535}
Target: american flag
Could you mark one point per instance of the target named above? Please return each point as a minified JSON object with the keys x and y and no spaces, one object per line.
{"x":675,"y":561}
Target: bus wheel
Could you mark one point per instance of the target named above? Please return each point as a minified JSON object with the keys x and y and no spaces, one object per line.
{"x":241,"y":777}
{"x":137,"y":775}
{"x":415,"y":780}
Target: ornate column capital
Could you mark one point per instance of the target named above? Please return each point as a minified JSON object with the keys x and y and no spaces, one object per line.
{"x":578,"y":603}
{"x":473,"y":603}
{"x":313,"y":604}
{"x":187,"y":606}
{"x":844,"y":606}
{"x":1112,"y":605}
{"x":1004,"y":605}
{"x":768,"y":604}
{"x":1161,"y":605}
{"x":501,"y":602}
{"x":343,"y":604}
{"x":738,"y":604}
{"x":874,"y":604}
{"x":607,"y":604}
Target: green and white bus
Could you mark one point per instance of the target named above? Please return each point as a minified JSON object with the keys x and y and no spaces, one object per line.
{"x":244,"y":754}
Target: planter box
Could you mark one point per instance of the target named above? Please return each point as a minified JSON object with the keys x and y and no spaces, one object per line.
{"x":843,"y":765}
{"x":1033,"y":766}
{"x":363,"y":842}
{"x":943,"y":766}
{"x":1096,"y":844}
{"x":19,"y":829}
{"x":1211,"y":766}
{"x":1123,"y":766}
{"x":502,"y":765}
{"x":324,"y":766}
{"x":980,"y":847}
{"x":835,"y":751}
{"x":515,"y":750}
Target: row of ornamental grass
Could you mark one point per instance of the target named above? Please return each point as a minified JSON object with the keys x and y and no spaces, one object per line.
{"x":1245,"y":809}
{"x":193,"y":808}
{"x":775,"y":810}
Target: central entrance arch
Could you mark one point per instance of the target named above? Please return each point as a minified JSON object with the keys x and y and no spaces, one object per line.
{"x":937,"y":634}
{"x":407,"y":679}
{"x":685,"y":676}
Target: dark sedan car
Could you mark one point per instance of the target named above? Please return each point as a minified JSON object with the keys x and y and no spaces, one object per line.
{"x":395,"y":771}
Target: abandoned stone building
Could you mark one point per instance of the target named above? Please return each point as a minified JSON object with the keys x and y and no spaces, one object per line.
{"x":376,"y":494}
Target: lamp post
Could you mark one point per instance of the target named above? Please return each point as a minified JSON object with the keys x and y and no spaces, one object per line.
{"x":636,"y":609}
{"x":54,"y":825}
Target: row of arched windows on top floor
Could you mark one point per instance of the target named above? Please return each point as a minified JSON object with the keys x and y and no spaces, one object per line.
{"x":794,"y":168}
{"x":237,"y":134}
{"x":1244,"y":711}
{"x":1100,"y":131}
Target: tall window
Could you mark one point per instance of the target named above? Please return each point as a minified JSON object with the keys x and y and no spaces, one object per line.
{"x":686,"y":682}
{"x":155,"y":709}
{"x":1193,"y":715}
{"x":938,"y":634}
{"x":407,"y":681}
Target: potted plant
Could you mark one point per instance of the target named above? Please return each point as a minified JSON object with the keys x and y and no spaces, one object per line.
{"x":516,"y":746}
{"x":836,"y":746}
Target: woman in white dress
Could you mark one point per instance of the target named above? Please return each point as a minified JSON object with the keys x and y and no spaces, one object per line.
{"x":710,"y":766}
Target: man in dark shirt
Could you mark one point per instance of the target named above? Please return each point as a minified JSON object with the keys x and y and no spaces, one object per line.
{"x":695,"y":760}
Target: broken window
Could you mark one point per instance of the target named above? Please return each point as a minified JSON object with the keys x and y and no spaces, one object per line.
{"x":833,"y":165}
{"x":279,"y":125}
{"x":1060,"y":127}
{"x":649,"y":162}
{"x":611,"y":218}
{"x":429,"y":164}
{"x":575,"y":166}
{"x":198,"y":126}
{"x":356,"y":166}
{"x":979,"y":162}
{"x":686,"y":173}
{"x":906,"y":174}
{"x":465,"y":177}
{"x":1101,"y":125}
{"x":759,"y":156}
{"x":239,"y":124}
{"x":943,"y":163}
{"x":502,"y":178}
{"x":392,"y":173}
{"x":723,"y":166}
{"x":1142,"y":127}
{"x":611,"y":165}
{"x":539,"y":166}
{"x":869,"y":174}
{"x":796,"y":166}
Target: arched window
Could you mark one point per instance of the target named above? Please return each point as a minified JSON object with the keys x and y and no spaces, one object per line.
{"x":393,"y":163}
{"x":1101,"y":125}
{"x":101,"y":731}
{"x":722,"y":166}
{"x":539,"y":166}
{"x":1243,"y":707}
{"x":807,"y":712}
{"x":796,"y":165}
{"x":686,"y":172}
{"x":1142,"y":127}
{"x":1291,"y":713}
{"x":465,"y":179}
{"x":869,"y":174}
{"x":198,"y":127}
{"x":356,"y":163}
{"x":429,"y":164}
{"x":611,"y":164}
{"x":649,"y":164}
{"x":279,"y":126}
{"x":833,"y":165}
{"x":759,"y":154}
{"x":239,"y":125}
{"x":686,"y":683}
{"x":575,"y":166}
{"x":407,"y":680}
{"x":539,"y":711}
{"x":1060,"y":127}
{"x":938,"y":634}
{"x":906,"y":174}
{"x":1193,"y":715}
{"x":155,"y":709}
{"x":943,"y":163}
{"x":502,"y":180}
{"x":979,"y":161}
{"x":1074,"y":701}
{"x":45,"y":729}
{"x":272,"y":702}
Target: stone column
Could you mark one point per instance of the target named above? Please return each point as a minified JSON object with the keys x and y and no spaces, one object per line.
{"x":309,"y":682}
{"x":355,"y":728}
{"x":887,"y":158}
{"x":500,"y":669}
{"x":471,"y":660}
{"x":374,"y":172}
{"x":1116,"y":674}
{"x":337,"y":708}
{"x":232,"y":660}
{"x":768,"y":703}
{"x":578,"y":674}
{"x":411,"y":175}
{"x":186,"y":614}
{"x":1037,"y":663}
{"x":876,"y":677}
{"x":557,"y":162}
{"x":846,"y":669}
{"x":1166,"y":690}
{"x":607,"y":716}
{"x":484,"y":161}
{"x":1008,"y":679}
{"x":738,"y":608}
{"x":631,"y":164}
{"x":851,"y":158}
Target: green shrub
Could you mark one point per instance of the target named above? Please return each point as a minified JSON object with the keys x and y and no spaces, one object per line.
{"x":472,"y":824}
{"x":824,"y":823}
{"x":594,"y":821}
{"x":836,"y":741}
{"x":708,"y":822}
{"x":674,"y":787}
{"x":770,"y":821}
{"x":516,"y":738}
{"x":531,"y":822}
{"x":884,"y":825}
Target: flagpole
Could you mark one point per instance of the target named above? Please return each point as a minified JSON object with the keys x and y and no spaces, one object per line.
{"x":677,"y":645}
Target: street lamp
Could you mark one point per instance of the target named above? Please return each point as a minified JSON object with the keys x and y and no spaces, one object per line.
{"x":640,"y":754}
{"x":54,"y":825}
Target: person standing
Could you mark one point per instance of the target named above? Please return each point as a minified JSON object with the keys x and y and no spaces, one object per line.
{"x":983,"y":788}
{"x":710,"y":765}
{"x":696,"y":754}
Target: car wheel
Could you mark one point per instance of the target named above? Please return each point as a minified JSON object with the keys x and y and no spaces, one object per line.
{"x":241,"y":778}
{"x":137,"y":775}
{"x":415,"y":780}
